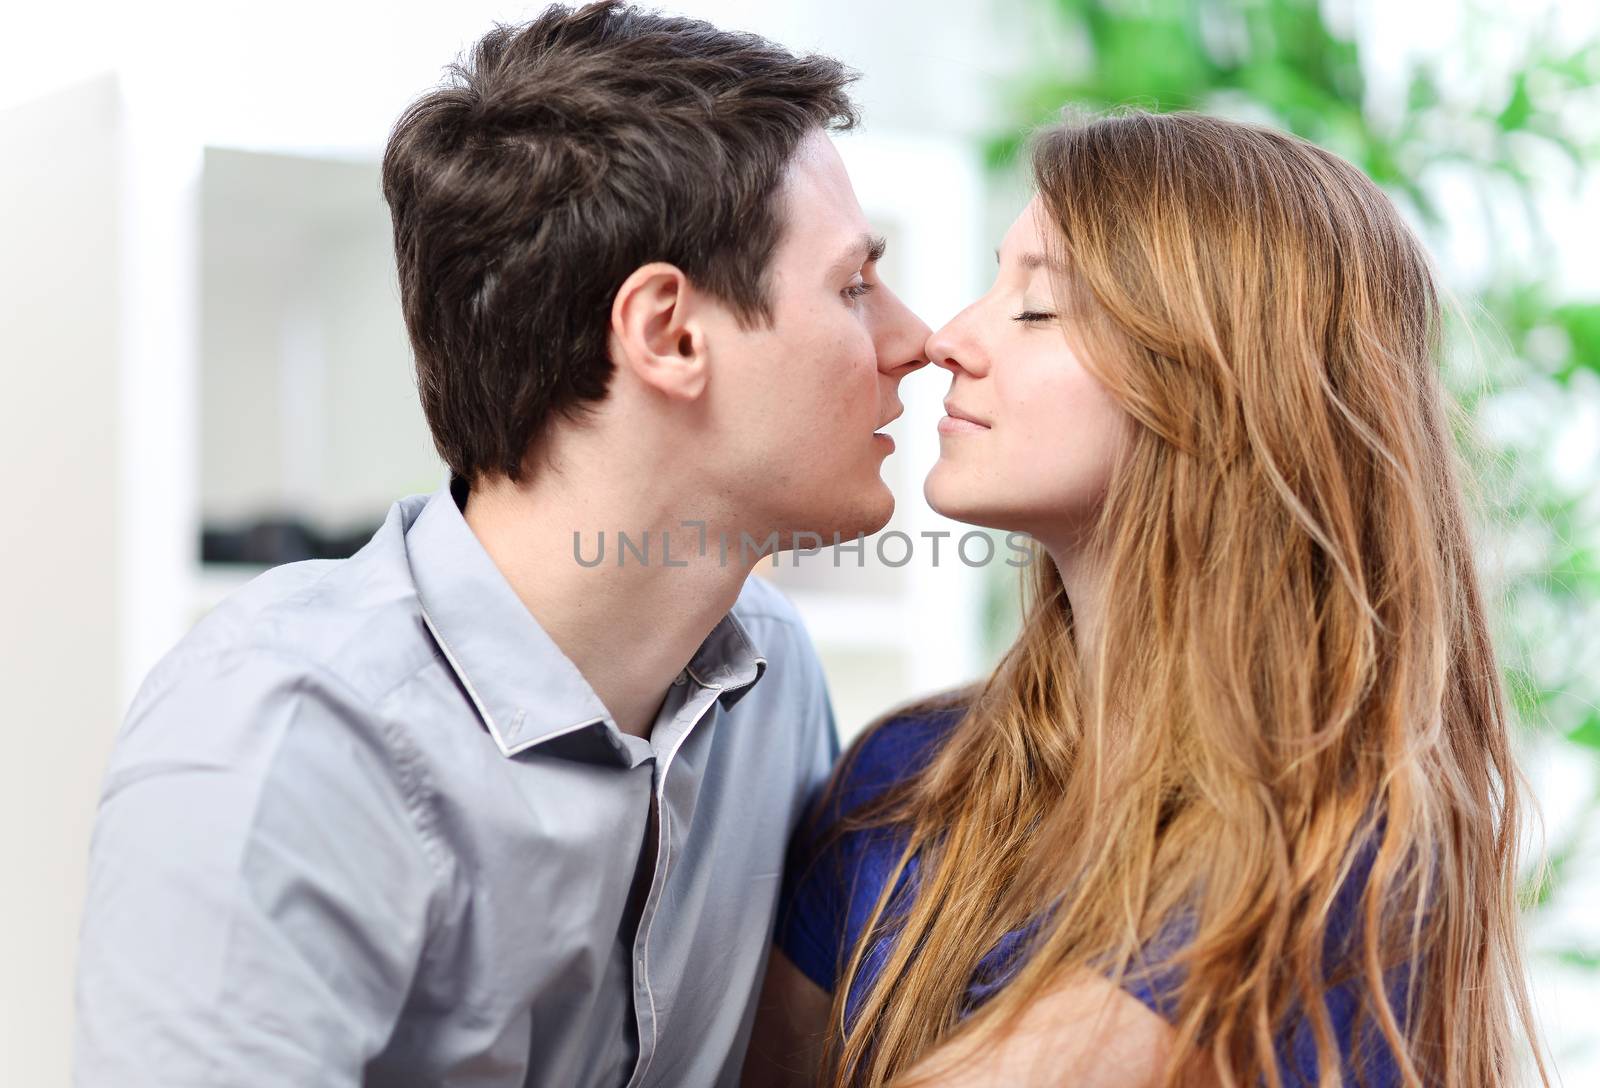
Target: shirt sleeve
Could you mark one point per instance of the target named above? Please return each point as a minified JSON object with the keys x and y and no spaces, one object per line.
{"x":831,"y":881}
{"x":802,"y":933}
{"x":259,"y":889}
{"x":812,"y":908}
{"x":1364,"y":1053}
{"x":824,"y":731}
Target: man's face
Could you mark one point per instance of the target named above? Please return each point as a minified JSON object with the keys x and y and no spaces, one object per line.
{"x":799,"y":404}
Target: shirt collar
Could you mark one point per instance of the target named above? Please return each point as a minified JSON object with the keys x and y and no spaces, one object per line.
{"x":526,"y":690}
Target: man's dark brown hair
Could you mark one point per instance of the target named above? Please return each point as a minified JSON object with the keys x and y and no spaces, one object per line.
{"x":557,"y":158}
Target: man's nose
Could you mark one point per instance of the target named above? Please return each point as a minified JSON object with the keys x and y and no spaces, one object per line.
{"x":902,"y":349}
{"x":938,"y":349}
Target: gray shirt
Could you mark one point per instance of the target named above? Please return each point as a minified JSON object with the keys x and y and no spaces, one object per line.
{"x":366,"y":824}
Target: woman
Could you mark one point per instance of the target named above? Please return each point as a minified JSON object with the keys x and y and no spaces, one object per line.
{"x":1239,"y":807}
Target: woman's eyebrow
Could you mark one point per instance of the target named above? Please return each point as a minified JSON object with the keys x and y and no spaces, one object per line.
{"x":1031,"y":261}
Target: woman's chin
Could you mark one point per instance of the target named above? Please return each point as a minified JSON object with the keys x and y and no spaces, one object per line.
{"x":951,"y":497}
{"x":940,"y":491}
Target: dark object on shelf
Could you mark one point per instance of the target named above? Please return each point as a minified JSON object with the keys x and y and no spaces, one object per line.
{"x":271,"y":541}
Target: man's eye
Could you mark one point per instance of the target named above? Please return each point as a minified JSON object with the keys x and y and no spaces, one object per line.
{"x":856,"y":290}
{"x":1033,"y":315}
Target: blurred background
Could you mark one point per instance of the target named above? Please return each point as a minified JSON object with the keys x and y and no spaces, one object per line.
{"x":205,"y":371}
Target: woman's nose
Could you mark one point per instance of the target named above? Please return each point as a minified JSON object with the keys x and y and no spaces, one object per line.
{"x":949,"y":349}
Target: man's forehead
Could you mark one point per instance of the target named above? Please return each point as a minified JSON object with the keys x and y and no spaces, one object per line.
{"x":821,"y":212}
{"x":818,"y":183}
{"x":817,"y":157}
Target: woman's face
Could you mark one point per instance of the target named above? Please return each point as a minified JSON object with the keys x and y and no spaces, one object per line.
{"x":1030,"y":436}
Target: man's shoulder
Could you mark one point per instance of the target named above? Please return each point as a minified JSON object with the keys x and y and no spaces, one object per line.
{"x":762,"y":603}
{"x":774,"y":624}
{"x":354,"y":624}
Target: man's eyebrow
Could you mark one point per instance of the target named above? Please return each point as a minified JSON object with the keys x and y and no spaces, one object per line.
{"x":865,"y":250}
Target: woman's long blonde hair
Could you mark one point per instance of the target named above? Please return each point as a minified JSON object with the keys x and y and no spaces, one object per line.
{"x":1294,"y":675}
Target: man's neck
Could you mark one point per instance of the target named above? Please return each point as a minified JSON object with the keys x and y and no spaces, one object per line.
{"x":629,"y":628}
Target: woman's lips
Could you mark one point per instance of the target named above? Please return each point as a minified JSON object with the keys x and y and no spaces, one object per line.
{"x":959,"y":425}
{"x":957,"y":421}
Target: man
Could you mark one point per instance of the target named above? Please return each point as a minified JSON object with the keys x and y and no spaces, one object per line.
{"x":469,"y":808}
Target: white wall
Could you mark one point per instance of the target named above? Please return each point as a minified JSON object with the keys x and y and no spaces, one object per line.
{"x":59,"y":534}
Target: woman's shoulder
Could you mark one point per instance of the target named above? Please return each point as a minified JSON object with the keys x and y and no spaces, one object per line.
{"x":892,"y":749}
{"x":835,"y":871}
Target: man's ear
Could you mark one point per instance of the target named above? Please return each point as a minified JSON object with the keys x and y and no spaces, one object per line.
{"x":655,"y":334}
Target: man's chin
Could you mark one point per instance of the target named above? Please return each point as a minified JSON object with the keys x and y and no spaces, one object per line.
{"x":866,"y":513}
{"x":876,"y":508}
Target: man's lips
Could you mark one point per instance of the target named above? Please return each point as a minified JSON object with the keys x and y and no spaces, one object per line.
{"x":882,"y":439}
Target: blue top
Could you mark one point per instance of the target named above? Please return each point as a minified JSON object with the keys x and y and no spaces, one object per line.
{"x":828,"y":897}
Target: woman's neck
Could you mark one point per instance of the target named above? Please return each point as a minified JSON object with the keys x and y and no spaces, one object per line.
{"x":1083,"y":577}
